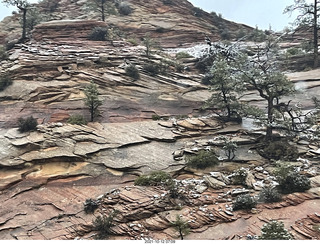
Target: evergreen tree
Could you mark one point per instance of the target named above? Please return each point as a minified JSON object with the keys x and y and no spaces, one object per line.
{"x":92,"y":100}
{"x":181,"y":226}
{"x":307,"y":18}
{"x":23,"y":6}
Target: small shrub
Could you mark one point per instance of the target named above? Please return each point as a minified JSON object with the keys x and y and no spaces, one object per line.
{"x":239,"y":177}
{"x":157,"y":178}
{"x":28,"y":124}
{"x":124,"y":8}
{"x":5,"y":81}
{"x":77,"y":119}
{"x":294,"y":182}
{"x":203,"y":160}
{"x":294,"y":51}
{"x":245,"y":202}
{"x":181,"y":226}
{"x":98,"y":34}
{"x":3,"y":53}
{"x":133,"y":41}
{"x":103,"y":225}
{"x":274,"y":230}
{"x":152,"y":69}
{"x":181,"y":55}
{"x":229,"y":148}
{"x":280,"y":150}
{"x":90,"y":205}
{"x":225,"y":34}
{"x":156,"y":117}
{"x":133,"y":72}
{"x":198,"y":12}
{"x":269,"y":195}
{"x":167,"y":2}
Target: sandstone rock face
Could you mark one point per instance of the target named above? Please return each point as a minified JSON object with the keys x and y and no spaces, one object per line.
{"x":174,"y":24}
{"x":66,"y":29}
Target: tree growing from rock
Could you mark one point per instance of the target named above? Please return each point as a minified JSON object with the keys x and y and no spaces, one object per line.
{"x":225,"y":86}
{"x":181,"y":226}
{"x":307,"y":18}
{"x":92,"y":100}
{"x":23,"y":6}
{"x":104,"y":7}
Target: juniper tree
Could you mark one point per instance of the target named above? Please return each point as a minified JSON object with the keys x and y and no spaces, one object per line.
{"x":23,"y":6}
{"x":307,"y":18}
{"x":92,"y":100}
{"x":181,"y":226}
{"x":225,"y":86}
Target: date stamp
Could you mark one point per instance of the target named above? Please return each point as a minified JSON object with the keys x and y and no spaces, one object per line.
{"x":159,"y":241}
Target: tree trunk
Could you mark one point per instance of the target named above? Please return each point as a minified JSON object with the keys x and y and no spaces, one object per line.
{"x":181,"y":235}
{"x":24,"y":24}
{"x":102,"y":10}
{"x":315,"y":35}
{"x":269,"y":120}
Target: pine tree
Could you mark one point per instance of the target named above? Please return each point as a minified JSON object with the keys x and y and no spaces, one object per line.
{"x":92,"y":100}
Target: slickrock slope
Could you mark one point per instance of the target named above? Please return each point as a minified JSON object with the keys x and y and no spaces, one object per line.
{"x":47,"y":175}
{"x":172,"y":24}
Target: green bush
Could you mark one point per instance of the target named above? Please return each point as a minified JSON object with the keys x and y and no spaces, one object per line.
{"x":156,"y":117}
{"x":198,"y":12}
{"x":245,"y":202}
{"x":99,"y":34}
{"x":294,"y":51}
{"x":77,"y":119}
{"x":280,"y":150}
{"x":294,"y":182}
{"x":181,"y":55}
{"x":132,"y":71}
{"x":3,"y":53}
{"x":152,"y":69}
{"x":157,"y":178}
{"x":90,"y":205}
{"x":124,"y":8}
{"x":274,"y":230}
{"x":269,"y":195}
{"x":5,"y":81}
{"x":202,"y":160}
{"x":240,"y":176}
{"x":28,"y":124}
{"x":167,"y":2}
{"x":103,"y":225}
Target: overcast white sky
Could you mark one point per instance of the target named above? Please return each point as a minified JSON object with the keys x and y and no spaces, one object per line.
{"x":263,"y":13}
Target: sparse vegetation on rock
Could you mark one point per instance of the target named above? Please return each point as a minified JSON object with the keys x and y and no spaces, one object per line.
{"x":28,"y":124}
{"x":124,"y":8}
{"x":77,"y":119}
{"x":274,"y":230}
{"x":158,"y":178}
{"x":103,"y":224}
{"x":289,"y":180}
{"x":90,"y":206}
{"x":280,"y":150}
{"x":269,"y":195}
{"x":5,"y":81}
{"x":181,"y":226}
{"x":92,"y":100}
{"x":202,"y":160}
{"x":132,"y":71}
{"x":244,"y":202}
{"x":239,"y":177}
{"x":99,"y":34}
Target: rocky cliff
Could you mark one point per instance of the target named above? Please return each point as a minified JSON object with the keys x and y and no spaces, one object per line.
{"x":47,"y":175}
{"x":171,"y":23}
